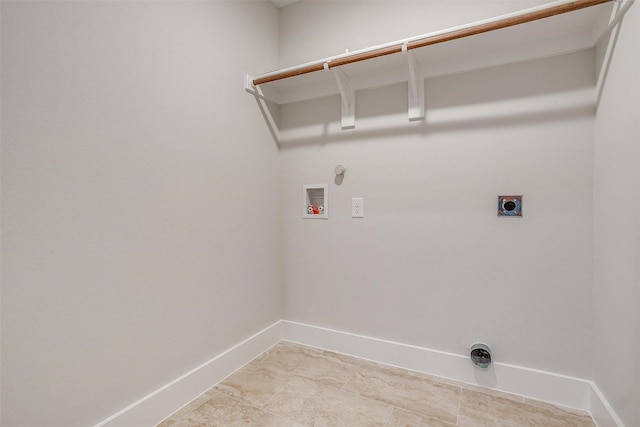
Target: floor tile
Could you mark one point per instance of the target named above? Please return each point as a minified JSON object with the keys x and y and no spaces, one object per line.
{"x":297,"y":386}
{"x":468,"y":386}
{"x":492,"y":392}
{"x":315,"y":404}
{"x":223,"y":411}
{"x":558,"y":409}
{"x":192,"y":406}
{"x":322,"y":366}
{"x":401,"y":418}
{"x":480,"y":409}
{"x":398,"y":388}
{"x":255,"y":384}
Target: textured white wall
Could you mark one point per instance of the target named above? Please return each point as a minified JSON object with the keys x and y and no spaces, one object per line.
{"x":617,"y":224}
{"x":431,"y":264}
{"x":140,"y":216}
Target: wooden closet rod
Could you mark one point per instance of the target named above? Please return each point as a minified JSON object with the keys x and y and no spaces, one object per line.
{"x":435,"y":38}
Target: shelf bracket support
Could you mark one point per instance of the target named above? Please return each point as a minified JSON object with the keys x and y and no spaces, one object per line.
{"x":261,"y":99}
{"x":416,"y":87}
{"x":347,"y":97}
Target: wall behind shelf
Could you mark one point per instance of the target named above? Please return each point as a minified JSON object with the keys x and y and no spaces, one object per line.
{"x":356,"y":25}
{"x":431,"y":264}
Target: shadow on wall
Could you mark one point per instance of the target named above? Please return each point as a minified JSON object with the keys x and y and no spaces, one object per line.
{"x":329,"y":132}
{"x":604,"y":60}
{"x":551,"y":89}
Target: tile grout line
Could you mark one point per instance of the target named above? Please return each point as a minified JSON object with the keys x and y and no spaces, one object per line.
{"x":400,"y":408}
{"x":320,"y":383}
{"x":283,"y":417}
{"x":352,"y":376}
{"x":391,"y":405}
{"x":259,"y":408}
{"x":386,"y":423}
{"x":279,"y":390}
{"x":237,"y":399}
{"x":459,"y":409}
{"x":353,"y":393}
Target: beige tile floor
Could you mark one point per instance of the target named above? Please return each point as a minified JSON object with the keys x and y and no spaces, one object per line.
{"x":291,"y":385}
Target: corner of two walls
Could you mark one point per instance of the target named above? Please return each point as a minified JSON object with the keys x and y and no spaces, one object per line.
{"x":616,"y":296}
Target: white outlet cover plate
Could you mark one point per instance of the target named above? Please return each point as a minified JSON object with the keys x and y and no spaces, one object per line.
{"x":357,"y":207}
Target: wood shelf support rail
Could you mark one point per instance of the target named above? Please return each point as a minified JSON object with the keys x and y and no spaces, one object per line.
{"x":504,"y":21}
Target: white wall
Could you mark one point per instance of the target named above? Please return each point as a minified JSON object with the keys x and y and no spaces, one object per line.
{"x":617,"y":223}
{"x":141,"y":216}
{"x":431,"y":264}
{"x":314,"y":29}
{"x":140,"y":211}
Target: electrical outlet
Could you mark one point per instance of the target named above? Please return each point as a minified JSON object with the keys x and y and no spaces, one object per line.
{"x":357,"y":207}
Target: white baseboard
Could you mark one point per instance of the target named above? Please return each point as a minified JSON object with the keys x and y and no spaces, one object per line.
{"x":156,"y":406}
{"x":547,"y":386}
{"x":602,"y":413}
{"x":537,"y":384}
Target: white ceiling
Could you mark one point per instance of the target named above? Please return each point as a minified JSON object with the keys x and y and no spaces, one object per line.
{"x":283,"y":3}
